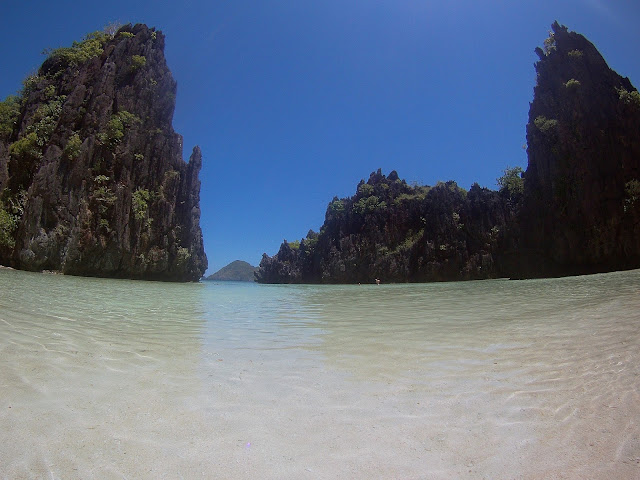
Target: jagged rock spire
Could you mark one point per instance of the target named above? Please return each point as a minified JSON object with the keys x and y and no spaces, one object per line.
{"x":96,"y":169}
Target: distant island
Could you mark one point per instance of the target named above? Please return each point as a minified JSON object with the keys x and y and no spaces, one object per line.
{"x":575,"y":210}
{"x":236,"y":271}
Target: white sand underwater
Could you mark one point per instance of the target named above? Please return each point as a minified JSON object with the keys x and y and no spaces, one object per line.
{"x":104,"y":379}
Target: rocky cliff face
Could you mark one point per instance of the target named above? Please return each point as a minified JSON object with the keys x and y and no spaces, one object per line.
{"x":577,"y":212}
{"x":92,"y":178}
{"x":398,"y":233}
{"x":580,"y":211}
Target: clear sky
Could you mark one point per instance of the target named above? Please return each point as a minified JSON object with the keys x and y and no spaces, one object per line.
{"x":295,"y":101}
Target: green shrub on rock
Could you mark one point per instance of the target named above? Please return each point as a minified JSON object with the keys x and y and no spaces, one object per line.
{"x":114,"y":132}
{"x":511,"y":183}
{"x":182,"y":256}
{"x":26,"y":147}
{"x":572,"y":83}
{"x":137,"y":62}
{"x":336,"y":206}
{"x":9,"y":113}
{"x":544,"y":124}
{"x":72,"y":148}
{"x":8,"y":225}
{"x":629,"y":98}
{"x":91,"y":46}
{"x":140,"y":203}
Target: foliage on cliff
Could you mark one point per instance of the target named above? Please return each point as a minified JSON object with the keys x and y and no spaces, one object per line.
{"x":398,"y":233}
{"x":584,"y":156}
{"x":92,"y":180}
{"x":575,"y":210}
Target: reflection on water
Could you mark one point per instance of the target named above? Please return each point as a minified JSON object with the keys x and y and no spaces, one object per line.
{"x":490,"y":379}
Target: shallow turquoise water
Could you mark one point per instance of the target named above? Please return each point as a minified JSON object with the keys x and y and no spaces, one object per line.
{"x":491,"y":379}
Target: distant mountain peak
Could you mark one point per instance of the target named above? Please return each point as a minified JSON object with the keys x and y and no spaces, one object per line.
{"x":236,"y":271}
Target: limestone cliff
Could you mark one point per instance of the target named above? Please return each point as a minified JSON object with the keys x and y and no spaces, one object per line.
{"x":581,"y":211}
{"x":92,"y":178}
{"x":577,"y":211}
{"x":399,"y":233}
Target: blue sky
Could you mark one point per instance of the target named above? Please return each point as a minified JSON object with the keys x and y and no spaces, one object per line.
{"x":295,"y":101}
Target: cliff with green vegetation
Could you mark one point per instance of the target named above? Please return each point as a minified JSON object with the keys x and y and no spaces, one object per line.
{"x":575,"y":210}
{"x":92,"y":179}
{"x":398,"y":233}
{"x":581,"y":209}
{"x":236,"y":271}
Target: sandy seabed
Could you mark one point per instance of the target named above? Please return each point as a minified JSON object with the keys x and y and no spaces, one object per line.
{"x":338,"y":383}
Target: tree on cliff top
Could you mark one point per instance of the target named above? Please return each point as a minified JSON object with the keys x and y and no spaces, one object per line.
{"x":511,"y":183}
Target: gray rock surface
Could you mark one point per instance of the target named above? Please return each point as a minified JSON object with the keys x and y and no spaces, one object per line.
{"x":92,"y":170}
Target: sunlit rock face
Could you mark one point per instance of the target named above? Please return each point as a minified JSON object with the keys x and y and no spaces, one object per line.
{"x":92,"y":176}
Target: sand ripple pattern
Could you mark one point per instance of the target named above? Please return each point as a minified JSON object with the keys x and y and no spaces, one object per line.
{"x":481,"y":380}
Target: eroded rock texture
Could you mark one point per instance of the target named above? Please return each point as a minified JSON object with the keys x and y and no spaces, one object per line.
{"x":581,"y":210}
{"x":91,"y":171}
{"x":577,"y":212}
{"x":399,"y":233}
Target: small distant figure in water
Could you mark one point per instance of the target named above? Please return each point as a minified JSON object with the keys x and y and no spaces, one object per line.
{"x":377,"y":281}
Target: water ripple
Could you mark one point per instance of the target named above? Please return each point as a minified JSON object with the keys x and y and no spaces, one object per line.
{"x":493,"y":379}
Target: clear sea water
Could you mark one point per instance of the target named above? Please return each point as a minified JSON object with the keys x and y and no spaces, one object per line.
{"x":492,"y":379}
